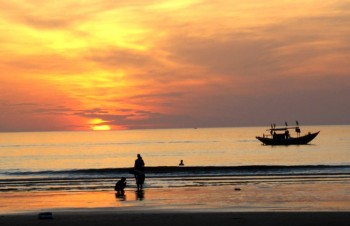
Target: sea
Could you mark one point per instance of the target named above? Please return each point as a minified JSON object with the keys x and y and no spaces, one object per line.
{"x":95,"y":160}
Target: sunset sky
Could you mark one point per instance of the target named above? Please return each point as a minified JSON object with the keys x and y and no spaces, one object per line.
{"x":144,"y":64}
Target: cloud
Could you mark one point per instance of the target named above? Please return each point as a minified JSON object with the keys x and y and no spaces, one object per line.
{"x":266,"y":51}
{"x":43,"y":14}
{"x":129,"y":118}
{"x":116,"y":58}
{"x":145,"y":64}
{"x":238,"y":55}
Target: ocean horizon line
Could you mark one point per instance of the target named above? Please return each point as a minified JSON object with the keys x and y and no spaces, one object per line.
{"x":168,"y":128}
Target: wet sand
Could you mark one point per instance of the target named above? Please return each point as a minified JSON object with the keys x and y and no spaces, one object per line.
{"x":314,"y":196}
{"x":320,"y":203}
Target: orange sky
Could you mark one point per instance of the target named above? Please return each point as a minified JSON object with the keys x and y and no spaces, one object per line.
{"x":100,"y":64}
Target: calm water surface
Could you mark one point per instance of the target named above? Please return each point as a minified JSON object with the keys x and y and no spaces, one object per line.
{"x":212,"y":156}
{"x":197,"y":147}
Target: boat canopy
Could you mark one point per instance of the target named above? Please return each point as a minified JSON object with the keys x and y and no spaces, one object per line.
{"x":282,"y":129}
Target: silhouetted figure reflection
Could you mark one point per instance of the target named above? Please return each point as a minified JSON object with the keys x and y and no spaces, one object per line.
{"x":181,"y":163}
{"x":120,"y":197}
{"x":139,"y":172}
{"x":140,"y":195}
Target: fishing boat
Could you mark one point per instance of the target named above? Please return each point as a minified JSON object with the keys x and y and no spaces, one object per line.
{"x":281,"y":136}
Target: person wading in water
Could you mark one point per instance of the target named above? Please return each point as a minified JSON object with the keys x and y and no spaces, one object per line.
{"x":139,"y":172}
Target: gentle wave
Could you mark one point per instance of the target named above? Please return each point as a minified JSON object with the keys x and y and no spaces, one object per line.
{"x":168,"y":176}
{"x":195,"y":170}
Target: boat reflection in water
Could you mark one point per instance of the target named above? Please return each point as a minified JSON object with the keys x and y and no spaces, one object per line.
{"x":281,"y":136}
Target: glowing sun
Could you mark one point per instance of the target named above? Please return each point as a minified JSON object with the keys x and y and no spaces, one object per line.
{"x":101,"y":127}
{"x":98,"y":125}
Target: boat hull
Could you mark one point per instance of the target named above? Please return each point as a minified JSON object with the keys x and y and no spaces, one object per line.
{"x":290,"y":141}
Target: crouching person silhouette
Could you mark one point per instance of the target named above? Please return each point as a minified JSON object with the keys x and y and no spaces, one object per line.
{"x":120,"y":185}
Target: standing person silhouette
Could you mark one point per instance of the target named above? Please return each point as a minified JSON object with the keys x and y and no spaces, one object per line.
{"x":139,"y":172}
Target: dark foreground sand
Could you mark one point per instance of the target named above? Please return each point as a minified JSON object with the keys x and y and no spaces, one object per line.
{"x":155,"y":218}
